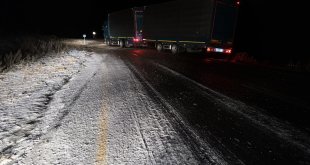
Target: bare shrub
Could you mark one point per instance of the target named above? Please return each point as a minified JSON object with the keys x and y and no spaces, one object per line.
{"x":15,"y":50}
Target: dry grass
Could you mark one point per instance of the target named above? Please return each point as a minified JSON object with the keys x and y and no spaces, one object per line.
{"x":16,"y":50}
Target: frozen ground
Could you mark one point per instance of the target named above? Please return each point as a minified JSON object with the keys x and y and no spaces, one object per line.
{"x":26,"y":91}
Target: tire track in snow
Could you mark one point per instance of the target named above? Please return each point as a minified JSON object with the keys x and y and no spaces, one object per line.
{"x":143,"y":139}
{"x":139,"y":131}
{"x":277,"y":127}
{"x":51,"y":128}
{"x":125,"y":144}
{"x":204,"y":151}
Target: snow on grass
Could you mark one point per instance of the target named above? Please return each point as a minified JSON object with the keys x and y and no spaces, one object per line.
{"x":14,"y":50}
{"x":25,"y":92}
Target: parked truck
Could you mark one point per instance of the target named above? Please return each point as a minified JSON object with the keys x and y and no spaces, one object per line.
{"x":178,"y":25}
{"x":124,"y":28}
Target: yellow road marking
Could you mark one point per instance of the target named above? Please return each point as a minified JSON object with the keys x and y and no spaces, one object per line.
{"x":101,"y":157}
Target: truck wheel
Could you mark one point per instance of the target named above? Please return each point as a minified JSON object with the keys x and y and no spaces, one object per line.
{"x":175,"y":49}
{"x":159,"y":47}
{"x":121,"y":44}
{"x":127,"y":44}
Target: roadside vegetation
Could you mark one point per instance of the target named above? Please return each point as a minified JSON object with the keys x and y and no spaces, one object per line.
{"x":14,"y":50}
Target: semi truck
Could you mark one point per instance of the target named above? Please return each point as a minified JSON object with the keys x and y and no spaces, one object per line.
{"x":124,"y":28}
{"x":178,"y":25}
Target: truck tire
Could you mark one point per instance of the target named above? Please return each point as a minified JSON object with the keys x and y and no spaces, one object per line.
{"x":159,"y":47}
{"x":127,"y":44}
{"x":175,"y":49}
{"x":122,"y":43}
{"x":108,"y":42}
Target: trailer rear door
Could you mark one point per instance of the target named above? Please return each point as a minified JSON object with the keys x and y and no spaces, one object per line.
{"x":225,"y":19}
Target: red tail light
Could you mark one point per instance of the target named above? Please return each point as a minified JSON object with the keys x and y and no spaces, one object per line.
{"x":227,"y":51}
{"x":136,"y":40}
{"x":209,"y":49}
{"x":238,"y":2}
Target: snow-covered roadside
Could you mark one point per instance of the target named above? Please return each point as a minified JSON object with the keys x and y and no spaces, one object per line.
{"x":25,"y":92}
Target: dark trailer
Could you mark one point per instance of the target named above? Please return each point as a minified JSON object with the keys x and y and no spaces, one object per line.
{"x":124,"y":28}
{"x":191,"y":25}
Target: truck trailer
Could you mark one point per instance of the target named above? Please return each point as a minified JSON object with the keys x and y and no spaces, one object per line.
{"x":124,"y":28}
{"x":191,"y":25}
{"x":177,"y":25}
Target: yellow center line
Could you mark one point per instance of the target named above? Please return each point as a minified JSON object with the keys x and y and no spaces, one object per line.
{"x":101,"y":157}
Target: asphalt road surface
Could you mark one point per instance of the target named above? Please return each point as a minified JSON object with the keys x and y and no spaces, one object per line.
{"x":138,"y":106}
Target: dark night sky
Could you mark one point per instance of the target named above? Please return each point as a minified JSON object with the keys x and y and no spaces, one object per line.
{"x":72,"y":18}
{"x":69,"y":18}
{"x":260,"y":28}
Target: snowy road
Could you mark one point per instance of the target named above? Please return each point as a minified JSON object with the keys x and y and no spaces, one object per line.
{"x":131,"y":106}
{"x":110,"y":119}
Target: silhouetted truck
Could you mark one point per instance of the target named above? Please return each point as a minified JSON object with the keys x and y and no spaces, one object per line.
{"x":124,"y":28}
{"x":191,"y":25}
